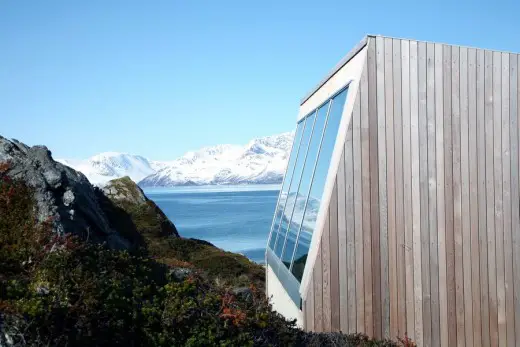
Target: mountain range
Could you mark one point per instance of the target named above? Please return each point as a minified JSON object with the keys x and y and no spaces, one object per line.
{"x":261,"y":161}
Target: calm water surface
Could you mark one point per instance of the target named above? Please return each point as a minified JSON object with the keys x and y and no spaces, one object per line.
{"x":234,"y":218}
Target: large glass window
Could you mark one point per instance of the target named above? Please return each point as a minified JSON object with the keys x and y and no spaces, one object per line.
{"x":302,"y":191}
{"x":305,"y":183}
{"x":293,"y":188}
{"x":286,"y":183}
{"x":318,"y":184}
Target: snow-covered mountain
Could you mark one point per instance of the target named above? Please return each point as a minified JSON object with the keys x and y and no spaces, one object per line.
{"x":104,"y":167}
{"x":262,"y":160}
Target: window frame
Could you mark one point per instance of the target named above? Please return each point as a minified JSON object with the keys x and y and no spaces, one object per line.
{"x":315,"y":113}
{"x":283,"y":182}
{"x":330,"y":102}
{"x":290,"y":283}
{"x":314,"y":171}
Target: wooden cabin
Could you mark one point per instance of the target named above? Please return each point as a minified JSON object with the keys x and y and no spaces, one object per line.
{"x":399,"y":210}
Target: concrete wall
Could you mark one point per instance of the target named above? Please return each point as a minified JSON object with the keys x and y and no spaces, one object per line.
{"x":280,"y":300}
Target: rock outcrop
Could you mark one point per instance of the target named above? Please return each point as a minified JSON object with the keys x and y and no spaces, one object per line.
{"x":66,"y":197}
{"x":148,"y":218}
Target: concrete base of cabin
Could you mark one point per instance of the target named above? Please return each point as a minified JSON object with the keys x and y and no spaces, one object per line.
{"x":281,"y":301}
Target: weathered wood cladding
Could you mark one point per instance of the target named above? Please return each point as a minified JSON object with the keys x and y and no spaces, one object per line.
{"x":423,"y":229}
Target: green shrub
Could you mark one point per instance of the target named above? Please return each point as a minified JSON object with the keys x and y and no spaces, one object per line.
{"x":229,"y":268}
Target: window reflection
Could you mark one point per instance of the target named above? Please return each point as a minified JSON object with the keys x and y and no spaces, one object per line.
{"x":285,"y":185}
{"x":302,"y":190}
{"x":293,"y":188}
{"x":318,"y":184}
{"x":305,"y":183}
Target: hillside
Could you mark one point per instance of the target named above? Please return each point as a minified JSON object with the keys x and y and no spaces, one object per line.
{"x":157,"y":230}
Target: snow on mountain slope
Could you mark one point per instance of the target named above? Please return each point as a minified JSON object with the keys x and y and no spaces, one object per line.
{"x":104,"y":167}
{"x":261,"y":161}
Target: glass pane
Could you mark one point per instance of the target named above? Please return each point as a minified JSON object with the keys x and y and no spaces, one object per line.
{"x":318,"y":184}
{"x":293,"y":189}
{"x":285,"y":185}
{"x":305,"y":183}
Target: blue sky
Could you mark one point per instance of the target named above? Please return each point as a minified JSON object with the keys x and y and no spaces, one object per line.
{"x":159,"y":78}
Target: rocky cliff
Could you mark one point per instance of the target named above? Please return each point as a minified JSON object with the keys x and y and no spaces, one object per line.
{"x":65,"y":197}
{"x":132,"y":213}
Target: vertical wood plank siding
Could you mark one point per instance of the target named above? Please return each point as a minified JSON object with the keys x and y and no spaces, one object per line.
{"x":424,"y":207}
{"x":483,"y":219}
{"x":334,"y":259}
{"x":366,"y":203}
{"x":422,"y":234}
{"x":325,"y":268}
{"x":515,"y":162}
{"x":374,"y":189}
{"x":474,"y":188}
{"x":348,"y":154}
{"x":383,"y":203}
{"x":358,"y":217}
{"x":342,"y":192}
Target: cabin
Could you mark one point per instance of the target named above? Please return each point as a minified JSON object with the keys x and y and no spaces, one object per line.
{"x":399,"y":209}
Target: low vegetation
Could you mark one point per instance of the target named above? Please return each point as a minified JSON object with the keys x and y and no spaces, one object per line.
{"x":58,"y":290}
{"x":160,"y":239}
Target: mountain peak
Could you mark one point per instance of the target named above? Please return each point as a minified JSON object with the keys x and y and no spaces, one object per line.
{"x":106,"y":166}
{"x":261,"y":160}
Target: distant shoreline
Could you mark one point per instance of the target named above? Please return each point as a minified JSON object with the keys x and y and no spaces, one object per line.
{"x":213,"y":188}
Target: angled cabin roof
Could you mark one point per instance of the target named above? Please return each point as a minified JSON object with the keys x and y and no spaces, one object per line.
{"x":352,"y":53}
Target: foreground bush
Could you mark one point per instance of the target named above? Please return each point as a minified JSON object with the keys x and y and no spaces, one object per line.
{"x":57,"y":290}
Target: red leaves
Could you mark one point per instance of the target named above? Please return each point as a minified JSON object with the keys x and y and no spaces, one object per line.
{"x":8,"y":191}
{"x":234,"y":314}
{"x":7,"y":196}
{"x":406,"y":341}
{"x":4,"y":166}
{"x":66,"y":242}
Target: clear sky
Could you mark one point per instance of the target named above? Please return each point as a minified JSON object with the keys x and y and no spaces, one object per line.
{"x":159,"y":78}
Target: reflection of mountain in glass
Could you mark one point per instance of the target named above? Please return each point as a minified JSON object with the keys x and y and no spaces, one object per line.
{"x":308,"y":214}
{"x":286,"y":184}
{"x":297,"y":211}
{"x":281,"y":238}
{"x":318,"y":184}
{"x":276,"y":220}
{"x":289,"y":227}
{"x":311,"y":212}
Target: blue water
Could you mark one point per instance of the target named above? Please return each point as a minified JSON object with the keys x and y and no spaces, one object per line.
{"x":234,"y":218}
